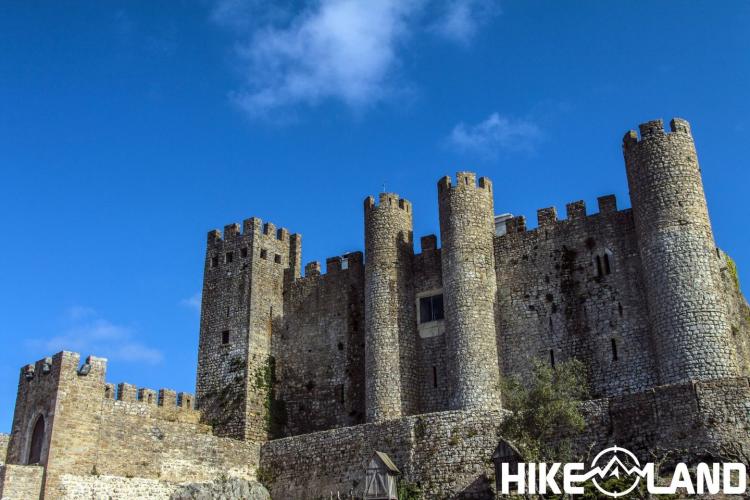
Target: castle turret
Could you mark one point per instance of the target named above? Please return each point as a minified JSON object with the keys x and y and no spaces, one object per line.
{"x":390,"y":321}
{"x":680,"y":265}
{"x":469,"y":288}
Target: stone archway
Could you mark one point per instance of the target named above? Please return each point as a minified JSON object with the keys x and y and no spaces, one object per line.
{"x":37,"y":442}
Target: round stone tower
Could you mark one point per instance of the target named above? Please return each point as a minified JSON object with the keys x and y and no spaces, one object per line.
{"x":680,"y":263}
{"x":469,"y":286}
{"x":390,"y":320}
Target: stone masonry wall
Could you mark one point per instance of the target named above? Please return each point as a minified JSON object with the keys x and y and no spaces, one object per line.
{"x":90,"y":430}
{"x":20,"y":482}
{"x":557,"y":299}
{"x":319,"y":351}
{"x":449,"y":454}
{"x":4,"y":438}
{"x":444,"y":452}
{"x":433,"y":369}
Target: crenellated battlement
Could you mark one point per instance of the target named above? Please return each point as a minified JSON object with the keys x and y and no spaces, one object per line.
{"x":167,"y":398}
{"x":335,"y":265}
{"x":388,"y":200}
{"x":655,"y":128}
{"x":464,"y":180}
{"x":575,"y":213}
{"x":252,"y":225}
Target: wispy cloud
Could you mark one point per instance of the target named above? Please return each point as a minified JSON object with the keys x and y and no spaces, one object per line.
{"x":193,"y":302}
{"x":460,"y":20}
{"x":495,"y":134}
{"x":348,"y":51}
{"x":85,"y":331}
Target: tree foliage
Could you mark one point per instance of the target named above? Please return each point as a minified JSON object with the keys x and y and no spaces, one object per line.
{"x":546,"y":413}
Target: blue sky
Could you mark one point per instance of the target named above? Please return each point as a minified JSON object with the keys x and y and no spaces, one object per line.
{"x":127,"y":131}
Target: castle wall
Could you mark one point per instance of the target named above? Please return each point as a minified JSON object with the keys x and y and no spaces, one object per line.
{"x":20,"y":482}
{"x":4,"y":439}
{"x":319,"y":351}
{"x":433,"y":369}
{"x":445,"y":452}
{"x":555,"y":301}
{"x":93,"y":431}
{"x":449,"y":454}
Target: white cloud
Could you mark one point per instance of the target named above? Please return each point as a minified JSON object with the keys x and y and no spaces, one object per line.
{"x":87,"y":333}
{"x":461,"y":19}
{"x":193,"y":302}
{"x":343,"y":50}
{"x":495,"y":134}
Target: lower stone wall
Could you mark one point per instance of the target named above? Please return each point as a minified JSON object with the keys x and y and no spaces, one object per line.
{"x":4,"y":439}
{"x":444,"y":453}
{"x":84,"y":487}
{"x":448,"y":454}
{"x":148,"y":449}
{"x":20,"y":482}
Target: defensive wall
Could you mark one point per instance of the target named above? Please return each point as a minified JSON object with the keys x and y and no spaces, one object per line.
{"x":449,"y":454}
{"x":88,"y":434}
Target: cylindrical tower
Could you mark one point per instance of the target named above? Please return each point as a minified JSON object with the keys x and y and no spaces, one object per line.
{"x":469,"y":286}
{"x":678,"y":254}
{"x":390,"y":321}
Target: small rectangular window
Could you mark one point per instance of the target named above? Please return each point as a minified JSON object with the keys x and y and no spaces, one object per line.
{"x":263,"y":253}
{"x":214,"y":261}
{"x":599,"y":266}
{"x":277,"y":258}
{"x":225,"y":337}
{"x":230,"y":257}
{"x":243,"y":252}
{"x":431,"y":308}
{"x":607,"y":269}
{"x":434,"y":376}
{"x":552,"y":358}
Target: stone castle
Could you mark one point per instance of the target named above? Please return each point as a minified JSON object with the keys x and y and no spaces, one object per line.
{"x":300,"y":378}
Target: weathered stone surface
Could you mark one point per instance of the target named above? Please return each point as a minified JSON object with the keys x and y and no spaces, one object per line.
{"x":20,"y":482}
{"x":230,"y":489}
{"x":4,"y":438}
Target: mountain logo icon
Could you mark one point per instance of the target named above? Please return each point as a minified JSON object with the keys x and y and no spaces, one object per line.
{"x":611,"y":463}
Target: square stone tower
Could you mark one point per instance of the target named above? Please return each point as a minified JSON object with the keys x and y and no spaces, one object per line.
{"x":242,"y":306}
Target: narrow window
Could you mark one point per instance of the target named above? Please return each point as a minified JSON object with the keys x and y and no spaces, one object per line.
{"x":225,"y":337}
{"x":243,"y":252}
{"x":614,"y":350}
{"x":341,"y":393}
{"x":598,"y":266}
{"x":552,"y":358}
{"x":277,"y":258}
{"x":437,"y":307}
{"x":425,"y":310}
{"x":344,"y":263}
{"x":607,"y":269}
{"x":230,"y":257}
{"x":263,"y":253}
{"x":434,"y":376}
{"x":619,"y":308}
{"x":214,"y":261}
